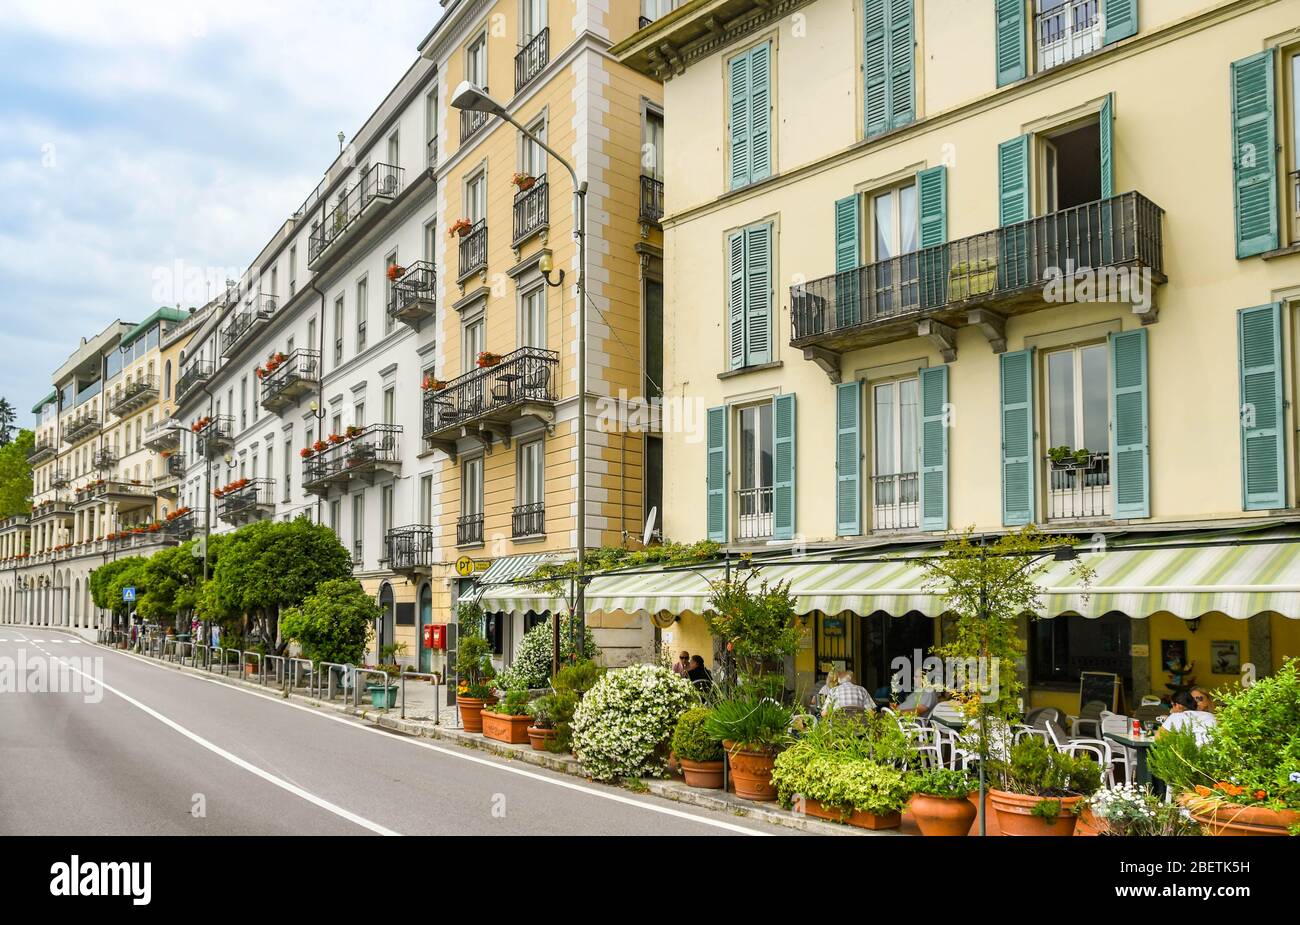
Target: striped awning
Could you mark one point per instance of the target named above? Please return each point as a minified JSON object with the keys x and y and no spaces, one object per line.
{"x":1185,"y":577}
{"x":493,"y":589}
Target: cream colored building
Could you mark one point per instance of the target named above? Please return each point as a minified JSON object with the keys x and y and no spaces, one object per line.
{"x":867,"y":225}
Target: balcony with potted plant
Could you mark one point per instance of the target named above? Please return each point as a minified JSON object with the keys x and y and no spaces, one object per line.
{"x":359,"y":454}
{"x":531,"y":207}
{"x":288,"y":378}
{"x":245,"y":500}
{"x":215,"y":433}
{"x":105,"y":458}
{"x":412,"y":549}
{"x":487,"y":400}
{"x":411,"y":298}
{"x":472,"y":248}
{"x":245,"y":323}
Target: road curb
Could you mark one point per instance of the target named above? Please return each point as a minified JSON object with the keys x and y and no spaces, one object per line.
{"x":668,"y":789}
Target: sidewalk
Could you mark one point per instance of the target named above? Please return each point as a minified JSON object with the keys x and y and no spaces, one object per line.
{"x":419,"y":722}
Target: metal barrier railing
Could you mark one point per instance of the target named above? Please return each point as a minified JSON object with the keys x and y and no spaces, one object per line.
{"x":280,"y":673}
{"x":434,"y":676}
{"x":295,"y":675}
{"x":323,"y":679}
{"x":356,"y":686}
{"x":261,"y":665}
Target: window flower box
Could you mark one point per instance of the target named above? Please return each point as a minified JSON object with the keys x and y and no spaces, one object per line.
{"x":459,"y":228}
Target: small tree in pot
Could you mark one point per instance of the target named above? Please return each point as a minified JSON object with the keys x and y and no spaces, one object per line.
{"x":698,"y":751}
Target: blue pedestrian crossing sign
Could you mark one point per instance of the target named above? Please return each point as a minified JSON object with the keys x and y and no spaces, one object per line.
{"x":128,"y":595}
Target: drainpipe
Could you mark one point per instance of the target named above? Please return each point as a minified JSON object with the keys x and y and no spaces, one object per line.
{"x":320,"y":379}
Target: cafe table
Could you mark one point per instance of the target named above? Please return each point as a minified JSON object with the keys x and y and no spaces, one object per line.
{"x":1139,"y":744}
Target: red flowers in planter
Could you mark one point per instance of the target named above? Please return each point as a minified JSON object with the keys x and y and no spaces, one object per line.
{"x":335,"y":439}
{"x":319,"y":445}
{"x":432,"y":384}
{"x":306,"y":452}
{"x":524,"y":181}
{"x":488,"y":359}
{"x":460,"y":226}
{"x":352,"y":431}
{"x":396,"y":272}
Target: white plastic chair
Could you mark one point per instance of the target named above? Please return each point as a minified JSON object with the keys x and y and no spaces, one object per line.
{"x":1122,"y":756}
{"x":1072,"y":745}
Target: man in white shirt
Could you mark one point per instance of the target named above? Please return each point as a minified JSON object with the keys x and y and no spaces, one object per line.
{"x":1184,"y":715}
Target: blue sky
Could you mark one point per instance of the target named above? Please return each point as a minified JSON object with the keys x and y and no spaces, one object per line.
{"x":136,"y":134}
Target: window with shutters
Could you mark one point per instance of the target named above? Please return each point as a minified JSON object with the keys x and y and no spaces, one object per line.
{"x":896,"y":455}
{"x":1065,"y":30}
{"x":749,"y":297}
{"x":895,"y":236}
{"x":1070,"y":165}
{"x":1078,"y":432}
{"x":888,"y":65}
{"x":754,"y":472}
{"x":749,"y":119}
{"x":1293,"y":140}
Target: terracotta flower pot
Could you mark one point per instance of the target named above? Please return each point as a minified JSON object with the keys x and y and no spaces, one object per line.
{"x":751,"y":772}
{"x":1219,"y":817}
{"x":942,"y":815}
{"x":471,"y":713}
{"x":707,"y":775}
{"x":856,"y":817}
{"x":1015,"y":814}
{"x":513,"y":730}
{"x":539,"y":738}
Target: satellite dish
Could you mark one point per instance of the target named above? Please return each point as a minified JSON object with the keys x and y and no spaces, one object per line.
{"x":649,"y":525}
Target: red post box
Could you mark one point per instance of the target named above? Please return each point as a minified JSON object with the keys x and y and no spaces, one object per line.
{"x":435,"y":636}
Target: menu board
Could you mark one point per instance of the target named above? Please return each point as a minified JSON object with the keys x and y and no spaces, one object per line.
{"x":1103,"y":686}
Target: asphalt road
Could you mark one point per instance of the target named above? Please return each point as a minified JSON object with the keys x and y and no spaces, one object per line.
{"x":162,"y":752}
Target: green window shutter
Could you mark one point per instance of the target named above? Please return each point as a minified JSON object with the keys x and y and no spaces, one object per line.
{"x":1012,"y":56}
{"x":1263,"y":440}
{"x":736,"y":300}
{"x":1105,"y":130}
{"x":932,"y":197}
{"x":758,"y":295}
{"x":783,"y":467}
{"x":1013,"y":181}
{"x":848,"y":224}
{"x":1130,"y":466}
{"x":760,"y":112}
{"x":902,"y":64}
{"x":934,"y":448}
{"x":716,"y":474}
{"x":1254,"y":154}
{"x":1017,"y":387}
{"x":740,"y":118}
{"x":875,"y":67}
{"x":1121,"y":19}
{"x":848,"y":459}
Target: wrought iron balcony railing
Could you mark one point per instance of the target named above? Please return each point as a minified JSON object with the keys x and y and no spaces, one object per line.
{"x":469,"y":530}
{"x":531,"y":58}
{"x":497,"y":394}
{"x":183,"y":525}
{"x":162,"y":435}
{"x":60,"y":479}
{"x":411,"y":548}
{"x":105,"y":458}
{"x":1071,"y":29}
{"x":471,"y":120}
{"x":370,"y":451}
{"x":380,"y":183}
{"x":1078,"y":488}
{"x":294,"y":375}
{"x":41,"y":451}
{"x":412,"y":296}
{"x":652,"y":200}
{"x":80,"y":426}
{"x":473,"y":248}
{"x":532,"y":210}
{"x":214,"y":434}
{"x":528,"y":520}
{"x":236,"y":335}
{"x":135,"y":394}
{"x":247,"y":501}
{"x":896,"y":501}
{"x":431,"y":149}
{"x":198,"y":372}
{"x":1008,"y":270}
{"x":754,"y":513}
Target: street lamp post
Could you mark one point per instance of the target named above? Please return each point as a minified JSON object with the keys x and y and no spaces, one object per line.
{"x":470,"y":97}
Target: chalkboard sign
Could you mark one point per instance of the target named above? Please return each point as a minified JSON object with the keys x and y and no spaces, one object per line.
{"x":1100,"y":686}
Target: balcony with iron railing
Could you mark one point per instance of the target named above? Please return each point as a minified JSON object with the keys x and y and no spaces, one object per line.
{"x":213,"y":435}
{"x":379,"y":184}
{"x":411,"y":299}
{"x":469,"y":530}
{"x":979,"y":279}
{"x":183,"y":523}
{"x":135,"y":395}
{"x":528,"y":520}
{"x":896,"y":501}
{"x":473,"y":250}
{"x":370,"y":452}
{"x":652,"y":200}
{"x":42,"y":450}
{"x":50,"y":509}
{"x":60,"y":479}
{"x":288,"y":378}
{"x":754,"y":513}
{"x":198,"y":372}
{"x":488,"y":399}
{"x":1069,"y":30}
{"x":127,"y":495}
{"x":471,"y":121}
{"x":105,"y":458}
{"x":409,"y":549}
{"x":1078,"y":487}
{"x":531,"y":58}
{"x":245,"y":323}
{"x":532,"y":211}
{"x":167,"y":482}
{"x":81,"y":425}
{"x":164,"y":434}
{"x":246,"y":500}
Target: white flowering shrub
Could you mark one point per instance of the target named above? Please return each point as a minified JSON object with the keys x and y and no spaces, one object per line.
{"x":623,"y":724}
{"x":532,"y":665}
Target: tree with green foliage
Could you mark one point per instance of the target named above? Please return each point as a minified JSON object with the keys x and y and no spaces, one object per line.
{"x":171,"y":579}
{"x":107,"y":582}
{"x":271,"y":565}
{"x":16,"y":474}
{"x":7,"y":418}
{"x":332,"y":624}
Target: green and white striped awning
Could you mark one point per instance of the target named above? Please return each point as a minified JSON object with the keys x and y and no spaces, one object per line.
{"x":493,"y":593}
{"x":1183,"y":577}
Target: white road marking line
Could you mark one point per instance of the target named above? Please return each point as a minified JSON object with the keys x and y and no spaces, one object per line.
{"x":240,"y":762}
{"x":464,"y":756}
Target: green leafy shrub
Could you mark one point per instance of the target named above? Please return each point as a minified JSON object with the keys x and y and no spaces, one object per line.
{"x":758,"y":626}
{"x":1037,"y":769}
{"x":750,"y":723}
{"x":692,"y":740}
{"x":532,"y":665}
{"x":838,"y":780}
{"x":515,"y":703}
{"x":942,"y":782}
{"x":579,"y":678}
{"x":333,"y":624}
{"x":474,"y":667}
{"x":622,"y":724}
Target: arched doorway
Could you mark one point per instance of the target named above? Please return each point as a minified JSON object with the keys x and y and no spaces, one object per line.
{"x":384,"y":633}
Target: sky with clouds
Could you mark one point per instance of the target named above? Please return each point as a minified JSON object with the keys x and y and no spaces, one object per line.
{"x":136,"y":133}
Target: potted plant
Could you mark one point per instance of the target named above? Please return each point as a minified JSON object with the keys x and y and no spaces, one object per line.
{"x":1243,"y":779}
{"x":698,"y":753}
{"x":1130,"y":810}
{"x":940,"y":803}
{"x":753,"y":730}
{"x":459,"y":228}
{"x":510,"y":722}
{"x":1062,"y":457}
{"x":542,"y":731}
{"x":395,"y":272}
{"x":306,"y":452}
{"x":623,"y":725}
{"x":523,"y":181}
{"x":1037,"y":789}
{"x":474,"y":668}
{"x":487,"y":358}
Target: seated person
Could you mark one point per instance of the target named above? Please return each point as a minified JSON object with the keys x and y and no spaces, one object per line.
{"x":700,"y":676}
{"x":1184,"y":715}
{"x":844,"y":693}
{"x":919,"y":702}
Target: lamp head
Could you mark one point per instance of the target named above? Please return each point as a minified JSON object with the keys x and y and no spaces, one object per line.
{"x":468,"y":96}
{"x":545,"y":263}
